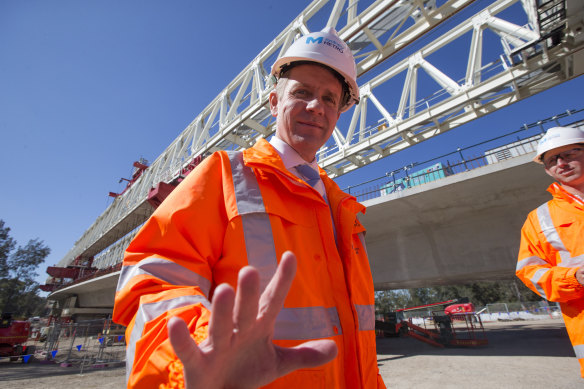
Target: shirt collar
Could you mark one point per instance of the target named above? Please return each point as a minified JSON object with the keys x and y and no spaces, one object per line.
{"x":289,"y":156}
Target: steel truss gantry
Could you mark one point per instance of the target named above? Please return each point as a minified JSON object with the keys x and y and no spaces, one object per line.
{"x":542,"y":50}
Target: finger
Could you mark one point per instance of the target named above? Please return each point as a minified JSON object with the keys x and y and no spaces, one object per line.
{"x":306,"y":355}
{"x":184,"y":346}
{"x":221,"y":321}
{"x":580,"y":275}
{"x":246,"y":298}
{"x":272,"y":299}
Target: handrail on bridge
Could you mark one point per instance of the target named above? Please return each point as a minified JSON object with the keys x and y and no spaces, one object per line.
{"x":407,"y":177}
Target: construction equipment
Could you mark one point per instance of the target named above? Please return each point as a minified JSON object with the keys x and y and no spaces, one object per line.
{"x":458,"y":325}
{"x":13,"y":336}
{"x":395,"y":324}
{"x":139,"y":168}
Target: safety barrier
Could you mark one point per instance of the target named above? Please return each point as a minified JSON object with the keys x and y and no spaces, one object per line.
{"x":84,"y":345}
{"x":488,"y":152}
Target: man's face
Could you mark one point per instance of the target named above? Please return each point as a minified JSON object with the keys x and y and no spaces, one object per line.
{"x":566,"y":164}
{"x":306,"y":108}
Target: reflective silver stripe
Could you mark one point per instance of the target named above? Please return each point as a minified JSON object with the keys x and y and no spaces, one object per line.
{"x":307,"y":323}
{"x":553,"y":237}
{"x":259,"y":245}
{"x":166,"y":271}
{"x":150,"y":311}
{"x":579,"y":350}
{"x":361,"y":236}
{"x":366,"y":315}
{"x":573,"y":262}
{"x":566,"y":263}
{"x":529,"y":261}
{"x":550,"y":232}
{"x":535,"y":279}
{"x":257,"y":230}
{"x":245,"y":185}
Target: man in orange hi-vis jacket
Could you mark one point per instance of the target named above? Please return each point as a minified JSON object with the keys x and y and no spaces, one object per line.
{"x":253,"y":272}
{"x":551,"y":256}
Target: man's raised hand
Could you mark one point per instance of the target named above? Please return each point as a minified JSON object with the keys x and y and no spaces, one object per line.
{"x":239,"y":353}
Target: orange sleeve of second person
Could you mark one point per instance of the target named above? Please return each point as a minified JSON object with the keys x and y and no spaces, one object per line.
{"x":538,"y":270}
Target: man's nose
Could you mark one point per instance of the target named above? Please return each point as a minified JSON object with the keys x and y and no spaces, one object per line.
{"x":315,"y":105}
{"x":561,"y":158}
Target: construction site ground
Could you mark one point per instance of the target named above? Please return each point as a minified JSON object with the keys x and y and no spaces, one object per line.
{"x":520,"y":354}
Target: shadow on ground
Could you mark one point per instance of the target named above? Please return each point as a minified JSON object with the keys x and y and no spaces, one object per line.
{"x":10,"y":371}
{"x":548,"y":339}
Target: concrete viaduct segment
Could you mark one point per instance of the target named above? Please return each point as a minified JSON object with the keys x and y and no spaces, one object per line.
{"x":458,"y":229}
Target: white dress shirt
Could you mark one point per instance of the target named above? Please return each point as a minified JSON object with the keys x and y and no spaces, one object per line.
{"x":291,"y":159}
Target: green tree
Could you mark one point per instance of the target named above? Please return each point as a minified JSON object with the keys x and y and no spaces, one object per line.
{"x":488,"y":292}
{"x":18,"y":288}
{"x":423,"y":296}
{"x":479,"y":293}
{"x":390,"y":300}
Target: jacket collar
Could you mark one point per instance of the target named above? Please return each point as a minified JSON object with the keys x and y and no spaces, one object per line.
{"x":562,"y":194}
{"x":263,"y":156}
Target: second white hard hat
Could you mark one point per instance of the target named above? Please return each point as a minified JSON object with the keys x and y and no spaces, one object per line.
{"x":557,"y":137}
{"x":327,"y":48}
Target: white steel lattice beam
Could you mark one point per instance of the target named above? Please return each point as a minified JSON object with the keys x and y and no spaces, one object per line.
{"x":238,"y":116}
{"x":486,"y":86}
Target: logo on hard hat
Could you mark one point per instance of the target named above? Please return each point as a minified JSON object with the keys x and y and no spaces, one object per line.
{"x":549,"y":137}
{"x":328,"y":42}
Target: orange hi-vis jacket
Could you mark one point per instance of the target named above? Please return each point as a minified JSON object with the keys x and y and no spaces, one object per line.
{"x":552,"y":249}
{"x":240,"y":208}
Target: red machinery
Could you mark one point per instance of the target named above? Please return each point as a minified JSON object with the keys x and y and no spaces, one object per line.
{"x":459,"y":308}
{"x":457,"y":326}
{"x":79,"y":269}
{"x":160,"y":191}
{"x":13,"y":335}
{"x":139,"y":168}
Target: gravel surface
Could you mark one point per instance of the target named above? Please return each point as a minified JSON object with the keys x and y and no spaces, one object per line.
{"x":520,"y":354}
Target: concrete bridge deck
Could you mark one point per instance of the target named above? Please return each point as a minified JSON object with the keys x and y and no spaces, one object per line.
{"x":461,"y":228}
{"x":464,"y":227}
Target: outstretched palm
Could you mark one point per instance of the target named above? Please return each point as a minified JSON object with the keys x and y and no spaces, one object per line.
{"x":239,"y":352}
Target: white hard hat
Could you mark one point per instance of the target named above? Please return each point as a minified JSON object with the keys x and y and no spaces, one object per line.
{"x":327,"y":48}
{"x":557,"y":137}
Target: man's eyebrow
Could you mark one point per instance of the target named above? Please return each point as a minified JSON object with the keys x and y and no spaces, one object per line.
{"x":327,"y":90}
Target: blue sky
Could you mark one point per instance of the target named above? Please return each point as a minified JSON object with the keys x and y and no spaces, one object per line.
{"x":86,"y":88}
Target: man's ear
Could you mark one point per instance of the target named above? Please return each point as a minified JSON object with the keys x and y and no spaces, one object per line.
{"x":273,"y":98}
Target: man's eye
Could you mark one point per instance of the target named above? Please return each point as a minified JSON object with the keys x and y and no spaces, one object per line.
{"x":330,"y":99}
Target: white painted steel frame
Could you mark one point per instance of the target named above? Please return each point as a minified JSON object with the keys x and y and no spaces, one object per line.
{"x":239,"y":115}
{"x":484,"y":89}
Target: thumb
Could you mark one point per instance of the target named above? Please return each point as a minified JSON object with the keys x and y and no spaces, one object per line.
{"x":306,"y":355}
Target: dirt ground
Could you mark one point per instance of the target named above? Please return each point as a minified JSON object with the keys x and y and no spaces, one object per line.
{"x":520,"y":355}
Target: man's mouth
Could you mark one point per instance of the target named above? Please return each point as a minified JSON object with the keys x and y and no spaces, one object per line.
{"x":566,"y":172}
{"x":311,"y":124}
